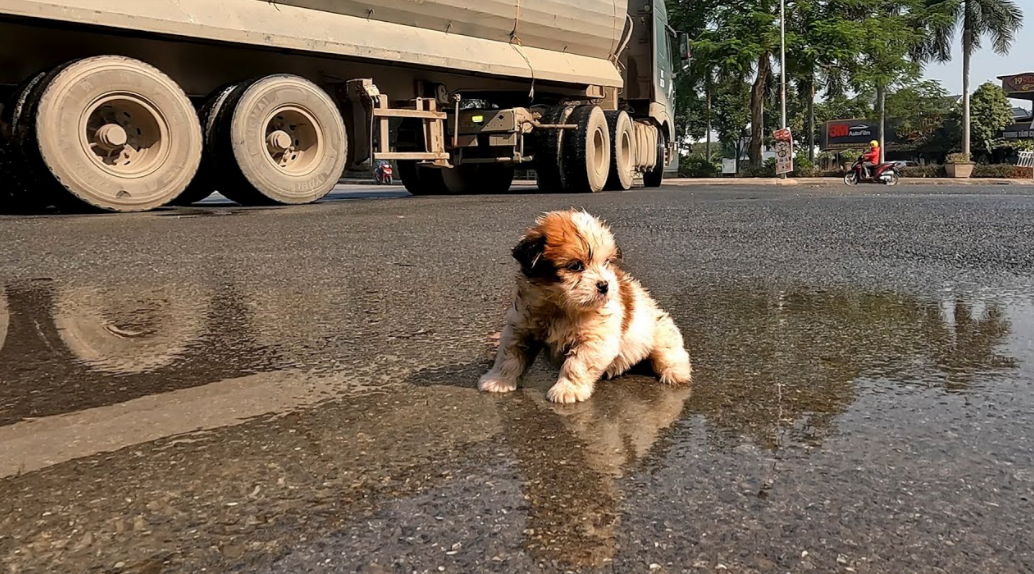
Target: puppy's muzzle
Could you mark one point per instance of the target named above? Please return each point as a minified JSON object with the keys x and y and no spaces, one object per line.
{"x":602,"y":287}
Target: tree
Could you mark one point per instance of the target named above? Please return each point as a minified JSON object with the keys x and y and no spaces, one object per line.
{"x":739,"y":41}
{"x":916,"y":111}
{"x":731,"y":103}
{"x":822,"y":42}
{"x":998,"y":19}
{"x":990,"y":114}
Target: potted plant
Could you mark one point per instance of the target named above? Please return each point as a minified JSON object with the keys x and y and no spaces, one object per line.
{"x":958,"y":165}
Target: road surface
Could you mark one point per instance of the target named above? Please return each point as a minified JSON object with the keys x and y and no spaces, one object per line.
{"x":220,"y":389}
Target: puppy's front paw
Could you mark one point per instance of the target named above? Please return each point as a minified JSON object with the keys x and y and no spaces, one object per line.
{"x":680,"y":374}
{"x":492,"y":383}
{"x":566,"y":392}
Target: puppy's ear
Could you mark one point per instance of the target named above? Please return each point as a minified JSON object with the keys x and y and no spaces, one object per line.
{"x":618,"y":254}
{"x":529,"y":254}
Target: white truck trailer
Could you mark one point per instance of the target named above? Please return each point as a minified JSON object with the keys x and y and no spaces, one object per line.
{"x":128,"y":106}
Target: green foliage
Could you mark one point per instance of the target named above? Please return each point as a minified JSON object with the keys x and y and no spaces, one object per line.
{"x":766,"y":170}
{"x":917,"y":111}
{"x":803,"y":167}
{"x":958,"y":158}
{"x":990,"y":113}
{"x":696,"y":165}
{"x":993,"y":171}
{"x":923,"y":171}
{"x":1002,"y":170}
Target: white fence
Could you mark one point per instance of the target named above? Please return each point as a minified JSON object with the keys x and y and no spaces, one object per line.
{"x":1026,"y":159}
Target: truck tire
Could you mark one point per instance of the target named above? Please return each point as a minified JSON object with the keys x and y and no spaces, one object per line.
{"x":416,"y":179}
{"x":478,"y":178}
{"x":279,"y":140}
{"x":586,"y":151}
{"x":622,"y":150}
{"x":110,"y":133}
{"x":204,"y":182}
{"x":548,"y":172}
{"x":653,"y":177}
{"x":14,"y":196}
{"x":421,"y":180}
{"x":19,"y":190}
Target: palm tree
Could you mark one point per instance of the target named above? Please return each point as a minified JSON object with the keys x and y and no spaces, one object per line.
{"x":998,"y":19}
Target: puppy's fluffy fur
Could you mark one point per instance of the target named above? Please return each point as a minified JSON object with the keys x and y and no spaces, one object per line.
{"x":573,"y":299}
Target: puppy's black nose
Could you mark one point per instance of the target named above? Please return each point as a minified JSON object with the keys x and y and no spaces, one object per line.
{"x":602,"y":287}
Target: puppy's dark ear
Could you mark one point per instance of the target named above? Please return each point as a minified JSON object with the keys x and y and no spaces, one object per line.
{"x":529,"y":254}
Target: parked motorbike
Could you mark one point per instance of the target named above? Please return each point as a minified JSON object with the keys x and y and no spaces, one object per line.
{"x":384,"y":174}
{"x":885,"y":173}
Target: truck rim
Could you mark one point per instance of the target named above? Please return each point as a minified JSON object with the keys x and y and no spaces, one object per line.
{"x":125,"y":135}
{"x":293,"y":141}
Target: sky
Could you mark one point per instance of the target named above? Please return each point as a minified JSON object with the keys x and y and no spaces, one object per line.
{"x":986,"y":64}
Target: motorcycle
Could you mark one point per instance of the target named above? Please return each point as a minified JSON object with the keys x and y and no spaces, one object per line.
{"x":885,"y":173}
{"x":383,"y":174}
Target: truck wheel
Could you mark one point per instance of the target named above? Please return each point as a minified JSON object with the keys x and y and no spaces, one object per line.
{"x":19,"y":190}
{"x":416,"y":179}
{"x":421,"y":180}
{"x":111,"y":133}
{"x":478,"y":178}
{"x":653,"y":177}
{"x":283,"y":139}
{"x":622,"y":150}
{"x":548,"y":173}
{"x":204,"y":182}
{"x":586,"y":158}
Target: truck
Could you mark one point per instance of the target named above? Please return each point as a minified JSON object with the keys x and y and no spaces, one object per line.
{"x":128,"y":106}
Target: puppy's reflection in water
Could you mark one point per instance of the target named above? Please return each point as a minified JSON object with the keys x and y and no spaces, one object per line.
{"x":570,"y":457}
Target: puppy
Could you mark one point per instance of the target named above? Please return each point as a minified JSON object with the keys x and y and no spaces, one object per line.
{"x":573,"y":299}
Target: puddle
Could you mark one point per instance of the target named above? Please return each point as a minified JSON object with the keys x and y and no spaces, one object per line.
{"x":785,"y":363}
{"x":174,"y":430}
{"x":74,"y":348}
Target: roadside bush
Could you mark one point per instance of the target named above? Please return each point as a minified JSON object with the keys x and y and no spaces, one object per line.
{"x":764,"y":171}
{"x":1002,"y":170}
{"x":697,"y":166}
{"x":921,"y":171}
{"x":803,"y":167}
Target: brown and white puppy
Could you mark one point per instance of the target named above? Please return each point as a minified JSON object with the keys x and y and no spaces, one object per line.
{"x":573,"y":299}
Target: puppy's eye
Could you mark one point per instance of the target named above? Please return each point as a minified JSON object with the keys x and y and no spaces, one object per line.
{"x":576,"y":266}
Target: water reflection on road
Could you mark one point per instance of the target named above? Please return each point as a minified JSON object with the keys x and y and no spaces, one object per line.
{"x":170,"y":430}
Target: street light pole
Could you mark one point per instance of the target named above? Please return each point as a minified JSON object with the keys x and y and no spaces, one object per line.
{"x":782,"y":64}
{"x":782,"y":57}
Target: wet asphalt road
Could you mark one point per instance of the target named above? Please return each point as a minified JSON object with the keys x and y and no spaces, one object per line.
{"x":220,"y":389}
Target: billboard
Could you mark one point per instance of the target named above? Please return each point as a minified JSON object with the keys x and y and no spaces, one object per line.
{"x":1019,"y":86}
{"x":849,"y":134}
{"x":1022,"y":131}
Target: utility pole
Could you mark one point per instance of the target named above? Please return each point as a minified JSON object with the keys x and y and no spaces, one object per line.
{"x":782,"y":58}
{"x":782,"y":64}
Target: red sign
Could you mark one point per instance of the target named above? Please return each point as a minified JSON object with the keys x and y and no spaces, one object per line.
{"x":1020,"y":83}
{"x":839,"y":130}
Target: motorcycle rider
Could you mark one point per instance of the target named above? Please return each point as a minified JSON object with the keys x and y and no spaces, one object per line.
{"x":871,"y":158}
